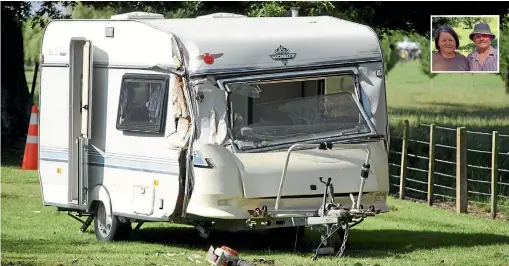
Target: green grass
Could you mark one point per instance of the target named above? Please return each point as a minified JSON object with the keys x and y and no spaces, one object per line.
{"x":472,"y":100}
{"x":411,"y":234}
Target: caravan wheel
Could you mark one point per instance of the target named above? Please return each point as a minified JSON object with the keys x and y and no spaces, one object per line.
{"x":110,"y":232}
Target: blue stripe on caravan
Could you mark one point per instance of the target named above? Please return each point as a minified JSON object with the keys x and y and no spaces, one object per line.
{"x":54,"y":156}
{"x":110,"y":161}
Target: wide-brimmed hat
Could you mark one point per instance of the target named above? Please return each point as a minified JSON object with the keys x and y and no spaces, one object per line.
{"x":482,"y":28}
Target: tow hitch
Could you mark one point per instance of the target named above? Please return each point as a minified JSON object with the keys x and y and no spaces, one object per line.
{"x":333,"y":216}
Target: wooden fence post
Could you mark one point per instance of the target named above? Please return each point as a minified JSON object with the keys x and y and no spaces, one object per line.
{"x":461,"y":171}
{"x":404,"y":153}
{"x":494,"y":174}
{"x":431,"y":165}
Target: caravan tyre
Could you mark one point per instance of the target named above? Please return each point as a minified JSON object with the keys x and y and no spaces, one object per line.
{"x":114,"y":232}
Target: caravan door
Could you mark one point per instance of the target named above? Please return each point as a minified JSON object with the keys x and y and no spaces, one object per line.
{"x":80,"y":114}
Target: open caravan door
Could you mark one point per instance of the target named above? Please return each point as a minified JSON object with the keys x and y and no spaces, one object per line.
{"x":80,"y":116}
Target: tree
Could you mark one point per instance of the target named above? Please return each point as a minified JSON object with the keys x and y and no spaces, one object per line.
{"x":16,"y":99}
{"x":425,"y":59}
{"x":504,"y":55}
{"x":469,"y":22}
{"x":81,"y":11}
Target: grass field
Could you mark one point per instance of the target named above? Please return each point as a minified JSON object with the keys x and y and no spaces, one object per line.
{"x":411,"y":234}
{"x":473,"y":100}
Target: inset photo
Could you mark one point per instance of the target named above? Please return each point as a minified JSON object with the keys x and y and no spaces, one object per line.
{"x":465,"y":44}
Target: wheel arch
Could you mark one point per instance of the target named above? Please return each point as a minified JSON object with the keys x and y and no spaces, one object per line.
{"x":100,"y":194}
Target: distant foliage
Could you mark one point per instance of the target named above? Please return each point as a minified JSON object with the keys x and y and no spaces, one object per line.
{"x":281,"y":9}
{"x":81,"y":11}
{"x":388,"y":42}
{"x":31,"y":41}
{"x":469,"y":22}
{"x":425,"y":57}
{"x":390,"y":55}
{"x":445,"y":21}
{"x":458,"y":22}
{"x":504,"y":56}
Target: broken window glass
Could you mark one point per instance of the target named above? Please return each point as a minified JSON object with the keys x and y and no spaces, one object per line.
{"x":142,"y":102}
{"x":289,"y":111}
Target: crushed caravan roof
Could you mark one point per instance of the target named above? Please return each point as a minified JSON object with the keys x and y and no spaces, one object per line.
{"x":248,"y":43}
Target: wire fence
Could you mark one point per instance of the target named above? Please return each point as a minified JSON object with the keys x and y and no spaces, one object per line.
{"x":434,"y":163}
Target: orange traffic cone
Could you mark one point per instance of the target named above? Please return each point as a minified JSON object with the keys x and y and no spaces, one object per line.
{"x":30,"y":158}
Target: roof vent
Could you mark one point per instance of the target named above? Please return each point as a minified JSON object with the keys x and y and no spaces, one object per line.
{"x":222,"y":15}
{"x":138,"y":15}
{"x":294,"y":11}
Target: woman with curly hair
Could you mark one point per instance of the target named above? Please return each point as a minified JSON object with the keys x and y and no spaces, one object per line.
{"x":446,"y":58}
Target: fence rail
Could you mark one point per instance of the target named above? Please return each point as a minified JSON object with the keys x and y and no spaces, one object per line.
{"x":461,"y":184}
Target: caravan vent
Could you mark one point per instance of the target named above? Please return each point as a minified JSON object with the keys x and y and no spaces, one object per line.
{"x":138,"y":15}
{"x":222,"y":15}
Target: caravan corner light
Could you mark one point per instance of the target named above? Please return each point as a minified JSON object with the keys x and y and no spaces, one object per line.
{"x":109,"y":32}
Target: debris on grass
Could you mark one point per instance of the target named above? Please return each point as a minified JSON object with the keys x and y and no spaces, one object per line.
{"x":263,"y":261}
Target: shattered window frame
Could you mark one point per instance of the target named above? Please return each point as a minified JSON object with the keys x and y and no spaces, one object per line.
{"x":354,"y":94}
{"x":161,"y":101}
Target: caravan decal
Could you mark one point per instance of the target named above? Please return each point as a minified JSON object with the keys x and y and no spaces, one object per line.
{"x":282,"y":54}
{"x":209,"y":58}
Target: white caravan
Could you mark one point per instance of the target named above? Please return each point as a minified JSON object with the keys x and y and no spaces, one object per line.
{"x":224,"y":123}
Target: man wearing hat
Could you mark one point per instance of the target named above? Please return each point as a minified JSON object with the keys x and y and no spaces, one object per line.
{"x":484,"y":57}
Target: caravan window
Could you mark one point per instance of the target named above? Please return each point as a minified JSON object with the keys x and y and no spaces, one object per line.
{"x":251,"y":109}
{"x":285,"y":111}
{"x":142,"y":103}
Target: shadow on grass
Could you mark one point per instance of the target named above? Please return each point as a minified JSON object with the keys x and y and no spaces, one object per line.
{"x":361,"y":243}
{"x":457,"y":112}
{"x":382,"y":243}
{"x":17,"y":263}
{"x":249,"y":243}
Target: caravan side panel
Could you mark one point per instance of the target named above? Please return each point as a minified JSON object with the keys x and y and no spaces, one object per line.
{"x":140,"y":171}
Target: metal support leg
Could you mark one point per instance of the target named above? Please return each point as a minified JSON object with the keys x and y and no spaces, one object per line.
{"x":87,"y":223}
{"x":138,"y":226}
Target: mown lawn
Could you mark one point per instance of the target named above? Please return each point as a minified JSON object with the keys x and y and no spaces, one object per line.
{"x":473,"y":100}
{"x":412,"y":234}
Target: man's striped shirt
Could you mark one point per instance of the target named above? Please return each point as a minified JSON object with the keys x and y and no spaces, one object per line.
{"x":490,"y":63}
